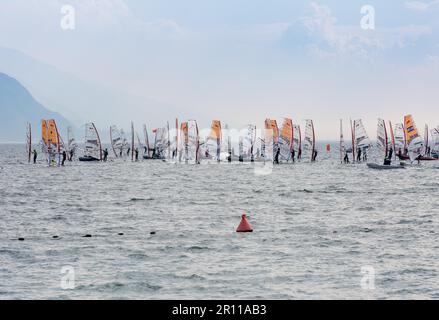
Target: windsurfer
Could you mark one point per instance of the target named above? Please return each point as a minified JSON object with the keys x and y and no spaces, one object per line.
{"x":229,"y":158}
{"x":390,"y":153}
{"x":105,"y":154}
{"x":64,"y":157}
{"x":276,"y":157}
{"x":314,"y":156}
{"x":293,"y":155}
{"x":128,"y":151}
{"x":35,"y":156}
{"x":359,"y":155}
{"x":137,"y":154}
{"x":346,"y":158}
{"x":299,"y":154}
{"x":71,"y":155}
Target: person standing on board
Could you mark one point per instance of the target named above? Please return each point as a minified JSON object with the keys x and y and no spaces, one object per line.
{"x":276,"y":157}
{"x":71,"y":155}
{"x":299,"y":154}
{"x":346,"y":158}
{"x":35,"y":156}
{"x":390,"y":153}
{"x":137,"y":154}
{"x":64,"y":157}
{"x":128,"y":152}
{"x":105,"y":154}
{"x":293,"y":155}
{"x":358,"y":155}
{"x":314,"y":156}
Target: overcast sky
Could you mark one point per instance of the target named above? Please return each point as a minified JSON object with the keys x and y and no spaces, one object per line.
{"x":244,"y":60}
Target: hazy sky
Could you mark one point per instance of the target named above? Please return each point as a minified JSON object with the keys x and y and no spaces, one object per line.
{"x":244,"y":60}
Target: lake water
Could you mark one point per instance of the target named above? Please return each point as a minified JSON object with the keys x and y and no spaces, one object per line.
{"x":321,"y":231}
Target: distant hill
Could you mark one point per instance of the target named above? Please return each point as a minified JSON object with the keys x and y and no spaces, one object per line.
{"x":17,"y":107}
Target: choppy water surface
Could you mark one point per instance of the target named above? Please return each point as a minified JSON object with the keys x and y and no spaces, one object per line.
{"x":316,"y":227}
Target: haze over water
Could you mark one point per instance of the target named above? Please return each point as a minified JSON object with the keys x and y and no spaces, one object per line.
{"x":315,"y":227}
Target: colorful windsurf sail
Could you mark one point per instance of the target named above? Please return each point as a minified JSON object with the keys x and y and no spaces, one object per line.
{"x":214,"y":141}
{"x":414,"y":141}
{"x":286,"y":140}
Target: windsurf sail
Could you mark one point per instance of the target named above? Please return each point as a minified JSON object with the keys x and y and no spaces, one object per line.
{"x":29,"y":141}
{"x":116,"y":141}
{"x":93,"y":146}
{"x":400,"y":144}
{"x":247,"y":143}
{"x":434,"y":141}
{"x":71,"y":143}
{"x":271,"y":139}
{"x":382,"y":138}
{"x":362,"y":141}
{"x":414,"y":141}
{"x":353,"y":141}
{"x":310,"y":139}
{"x":147,"y":146}
{"x":132,"y":141}
{"x":183,"y":142}
{"x":342,"y":145}
{"x":426,"y":140}
{"x":392,"y":139}
{"x":297,"y":140}
{"x":193,"y":145}
{"x":214,"y":141}
{"x":286,"y":139}
{"x":54,"y":142}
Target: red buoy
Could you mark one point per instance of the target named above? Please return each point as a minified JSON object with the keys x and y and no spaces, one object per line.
{"x":244,"y":226}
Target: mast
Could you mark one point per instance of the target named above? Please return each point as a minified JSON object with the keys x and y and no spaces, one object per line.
{"x":313,"y":139}
{"x":29,"y":142}
{"x":353,"y":141}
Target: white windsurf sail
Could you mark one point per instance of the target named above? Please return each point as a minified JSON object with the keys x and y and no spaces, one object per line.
{"x":434,"y":141}
{"x":400,"y":144}
{"x":193,"y":145}
{"x":382,"y":139}
{"x":426,"y":141}
{"x":116,"y":141}
{"x":362,"y":141}
{"x":147,"y":148}
{"x":29,"y":141}
{"x":247,"y":145}
{"x":72,"y":145}
{"x":310,"y":139}
{"x":297,"y":140}
{"x":342,"y":145}
{"x":93,"y":147}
